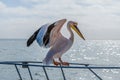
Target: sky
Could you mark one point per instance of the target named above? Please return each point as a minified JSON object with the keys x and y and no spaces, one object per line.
{"x":97,"y":19}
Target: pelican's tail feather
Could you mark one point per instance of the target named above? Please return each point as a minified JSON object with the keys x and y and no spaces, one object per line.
{"x":47,"y":61}
{"x":32,"y":38}
{"x":49,"y":57}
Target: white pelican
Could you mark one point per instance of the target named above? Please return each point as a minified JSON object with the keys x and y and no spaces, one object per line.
{"x":49,"y":36}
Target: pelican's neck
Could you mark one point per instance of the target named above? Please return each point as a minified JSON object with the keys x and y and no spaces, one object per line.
{"x":71,"y":33}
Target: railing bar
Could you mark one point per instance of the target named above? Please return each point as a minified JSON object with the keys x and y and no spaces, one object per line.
{"x":94,"y":73}
{"x":63,"y":74}
{"x":18,"y":72}
{"x":30,"y":73}
{"x":45,"y":73}
{"x":75,"y":67}
{"x":17,"y":62}
{"x":32,"y":64}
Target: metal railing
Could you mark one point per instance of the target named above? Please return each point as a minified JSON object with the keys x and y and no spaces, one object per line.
{"x":27,"y":64}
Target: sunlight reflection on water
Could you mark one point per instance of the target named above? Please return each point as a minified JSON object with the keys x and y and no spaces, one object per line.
{"x":101,"y":52}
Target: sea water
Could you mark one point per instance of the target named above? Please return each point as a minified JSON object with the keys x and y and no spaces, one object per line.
{"x":98,"y":52}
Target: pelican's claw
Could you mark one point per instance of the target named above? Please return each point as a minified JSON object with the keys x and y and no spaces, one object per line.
{"x":65,"y":63}
{"x":56,"y":63}
{"x":60,"y":63}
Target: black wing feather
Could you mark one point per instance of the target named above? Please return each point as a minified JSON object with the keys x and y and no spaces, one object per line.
{"x":47,"y":35}
{"x":32,"y":38}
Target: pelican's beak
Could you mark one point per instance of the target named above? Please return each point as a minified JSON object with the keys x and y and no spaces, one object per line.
{"x":75,"y":28}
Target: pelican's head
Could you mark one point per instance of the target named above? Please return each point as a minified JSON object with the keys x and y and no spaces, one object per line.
{"x":75,"y":28}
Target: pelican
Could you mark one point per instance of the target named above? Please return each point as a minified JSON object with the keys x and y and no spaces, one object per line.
{"x":49,"y":36}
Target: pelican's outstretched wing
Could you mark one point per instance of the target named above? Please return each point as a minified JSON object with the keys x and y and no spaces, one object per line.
{"x":55,"y":32}
{"x":48,"y":33}
{"x":46,"y":36}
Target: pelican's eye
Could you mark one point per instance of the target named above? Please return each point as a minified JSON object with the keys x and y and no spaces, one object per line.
{"x":75,"y":24}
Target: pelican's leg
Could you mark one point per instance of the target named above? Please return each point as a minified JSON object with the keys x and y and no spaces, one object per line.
{"x":63,"y":63}
{"x":56,"y":63}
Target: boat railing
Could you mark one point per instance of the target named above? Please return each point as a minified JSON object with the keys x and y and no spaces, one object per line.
{"x":28,"y":64}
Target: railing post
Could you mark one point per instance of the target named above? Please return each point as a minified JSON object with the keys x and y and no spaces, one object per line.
{"x":18,"y":72}
{"x":25,"y":65}
{"x":30,"y":73}
{"x":63,"y":74}
{"x":45,"y":73}
{"x":94,"y":73}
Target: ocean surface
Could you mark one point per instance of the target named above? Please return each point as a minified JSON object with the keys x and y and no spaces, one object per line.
{"x":98,"y":52}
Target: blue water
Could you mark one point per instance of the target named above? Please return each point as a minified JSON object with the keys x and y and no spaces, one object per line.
{"x":99,"y":52}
